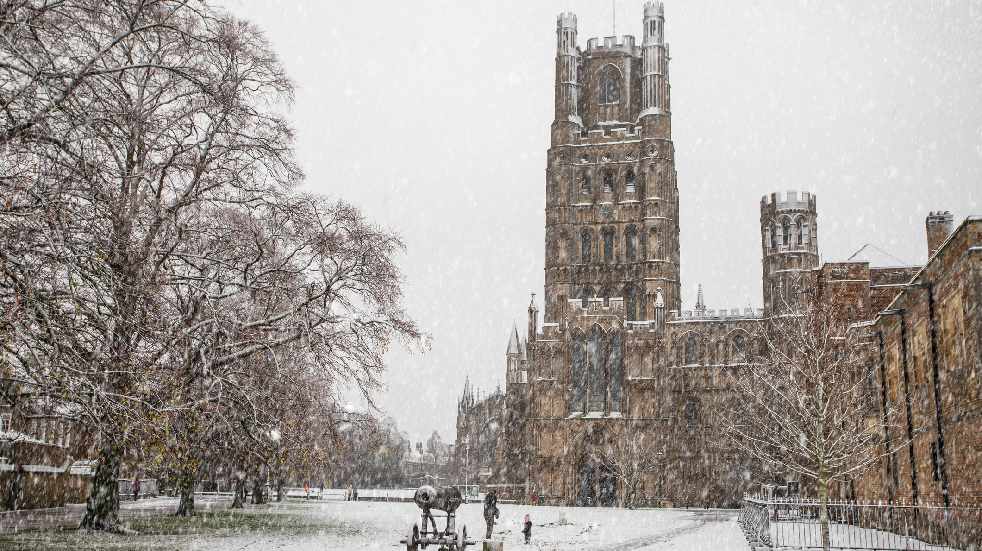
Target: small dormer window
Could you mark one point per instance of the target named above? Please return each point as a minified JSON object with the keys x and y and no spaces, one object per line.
{"x":610,"y":85}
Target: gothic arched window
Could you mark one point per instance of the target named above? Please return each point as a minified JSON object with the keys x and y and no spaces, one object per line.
{"x":586,"y":243}
{"x":631,"y":302}
{"x":691,"y":412}
{"x":597,"y":388}
{"x":585,"y":187}
{"x":630,"y":182}
{"x":739,"y":352}
{"x":691,"y":350}
{"x":610,"y":85}
{"x":608,"y":181}
{"x":585,"y":295}
{"x":615,"y":369}
{"x":799,"y":230}
{"x":608,"y":235}
{"x":578,"y":392}
{"x":773,"y":236}
{"x":654,"y":247}
{"x":605,"y":294}
{"x":785,"y":232}
{"x":631,"y":244}
{"x":805,"y":234}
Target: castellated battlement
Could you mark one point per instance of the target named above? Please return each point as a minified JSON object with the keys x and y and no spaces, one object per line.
{"x":721,"y":314}
{"x":624,"y":43}
{"x":940,"y":217}
{"x":791,"y":200}
{"x":596,"y":306}
{"x":566,"y":20}
{"x":654,"y":9}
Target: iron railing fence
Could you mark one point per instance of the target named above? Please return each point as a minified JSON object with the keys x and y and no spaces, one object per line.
{"x":886,"y":526}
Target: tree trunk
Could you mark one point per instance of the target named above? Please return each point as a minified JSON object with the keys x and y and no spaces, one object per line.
{"x":257,"y":491}
{"x":823,"y":511}
{"x":102,"y":507}
{"x":186,"y":487}
{"x":279,"y":490}
{"x":240,"y":491}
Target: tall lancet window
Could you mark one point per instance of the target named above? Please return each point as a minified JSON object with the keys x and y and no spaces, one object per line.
{"x":579,"y":369}
{"x":610,"y":85}
{"x":631,"y":302}
{"x":586,"y":246}
{"x":608,"y":236}
{"x":631,"y":244}
{"x":630,"y":182}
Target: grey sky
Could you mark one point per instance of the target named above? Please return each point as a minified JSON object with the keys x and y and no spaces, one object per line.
{"x":434,"y":118}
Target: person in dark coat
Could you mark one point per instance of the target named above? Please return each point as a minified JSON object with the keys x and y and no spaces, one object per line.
{"x":136,"y":487}
{"x":490,"y":511}
{"x":527,"y":529}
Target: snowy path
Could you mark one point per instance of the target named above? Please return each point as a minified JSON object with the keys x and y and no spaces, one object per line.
{"x":379,"y":526}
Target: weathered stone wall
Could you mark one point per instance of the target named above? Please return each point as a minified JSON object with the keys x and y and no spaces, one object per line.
{"x":932,"y":376}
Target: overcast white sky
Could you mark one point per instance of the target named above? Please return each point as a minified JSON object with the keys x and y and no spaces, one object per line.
{"x":434,"y":118}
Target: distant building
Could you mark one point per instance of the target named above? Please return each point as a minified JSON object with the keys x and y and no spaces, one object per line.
{"x":479,"y":421}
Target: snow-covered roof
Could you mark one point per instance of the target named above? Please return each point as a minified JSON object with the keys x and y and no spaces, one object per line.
{"x":877,"y":257}
{"x":14,"y":436}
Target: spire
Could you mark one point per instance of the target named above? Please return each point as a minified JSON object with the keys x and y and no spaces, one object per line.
{"x":513,"y":344}
{"x":700,"y":303}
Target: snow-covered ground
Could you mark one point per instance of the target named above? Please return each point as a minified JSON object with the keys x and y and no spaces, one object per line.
{"x":378,"y":525}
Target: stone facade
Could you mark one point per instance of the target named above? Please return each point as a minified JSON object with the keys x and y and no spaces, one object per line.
{"x":614,"y":357}
{"x":929,"y":351}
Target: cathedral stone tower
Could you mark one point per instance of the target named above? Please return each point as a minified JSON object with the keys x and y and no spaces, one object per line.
{"x":789,"y":239}
{"x":611,"y":195}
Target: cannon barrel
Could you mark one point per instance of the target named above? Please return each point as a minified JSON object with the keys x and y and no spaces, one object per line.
{"x":444,"y":498}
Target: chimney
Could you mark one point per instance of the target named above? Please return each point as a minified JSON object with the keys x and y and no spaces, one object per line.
{"x":939,"y":226}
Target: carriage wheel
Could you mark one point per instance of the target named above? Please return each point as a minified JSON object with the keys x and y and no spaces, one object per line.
{"x":412,"y":539}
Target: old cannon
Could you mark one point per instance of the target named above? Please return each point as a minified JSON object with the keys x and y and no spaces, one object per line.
{"x":446,"y":499}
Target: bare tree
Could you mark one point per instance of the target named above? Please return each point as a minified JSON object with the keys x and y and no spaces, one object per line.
{"x":806,"y":400}
{"x":113,"y":271}
{"x":629,"y":459}
{"x":50,"y":52}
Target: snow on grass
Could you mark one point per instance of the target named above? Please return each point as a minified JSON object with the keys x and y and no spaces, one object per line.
{"x":334,"y":525}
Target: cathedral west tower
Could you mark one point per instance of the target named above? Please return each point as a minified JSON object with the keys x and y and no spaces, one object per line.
{"x":611,"y":195}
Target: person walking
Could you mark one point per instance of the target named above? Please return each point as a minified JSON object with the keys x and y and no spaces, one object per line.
{"x":527,"y":529}
{"x":490,"y":511}
{"x":136,"y":487}
{"x":306,"y":490}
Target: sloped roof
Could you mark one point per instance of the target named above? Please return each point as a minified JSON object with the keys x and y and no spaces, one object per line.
{"x":877,"y":257}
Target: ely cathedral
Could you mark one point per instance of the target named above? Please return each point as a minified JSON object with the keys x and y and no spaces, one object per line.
{"x":616,"y":366}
